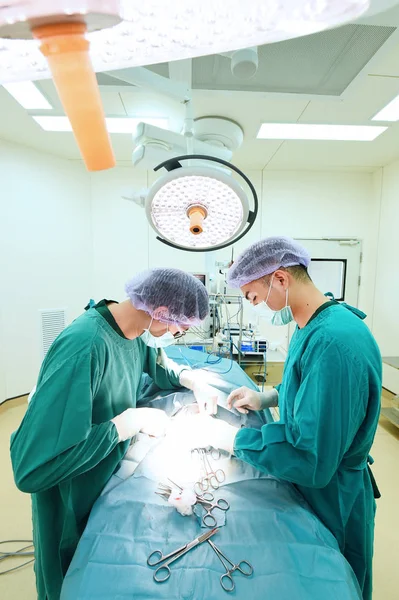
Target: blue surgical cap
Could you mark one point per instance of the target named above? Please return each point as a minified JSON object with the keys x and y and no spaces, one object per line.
{"x":184,"y":297}
{"x":265,"y":257}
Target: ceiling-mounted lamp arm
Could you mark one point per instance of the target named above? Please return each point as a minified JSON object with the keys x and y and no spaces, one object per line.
{"x":142,"y":77}
{"x":188,"y":127}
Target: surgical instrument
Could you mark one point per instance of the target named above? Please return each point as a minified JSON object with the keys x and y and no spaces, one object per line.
{"x":156,"y":557}
{"x":226,"y":580}
{"x":207,"y":501}
{"x":212,"y":478}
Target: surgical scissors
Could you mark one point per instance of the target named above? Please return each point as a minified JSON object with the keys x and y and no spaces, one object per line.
{"x":211,"y":478}
{"x":226,"y":580}
{"x":156,"y":557}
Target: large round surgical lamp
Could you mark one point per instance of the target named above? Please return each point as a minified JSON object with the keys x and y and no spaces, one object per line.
{"x":200,"y":208}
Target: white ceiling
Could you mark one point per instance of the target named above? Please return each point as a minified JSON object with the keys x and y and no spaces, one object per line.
{"x":371,"y":88}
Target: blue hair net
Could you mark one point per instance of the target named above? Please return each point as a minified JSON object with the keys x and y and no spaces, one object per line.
{"x":265,"y":257}
{"x":184,"y":297}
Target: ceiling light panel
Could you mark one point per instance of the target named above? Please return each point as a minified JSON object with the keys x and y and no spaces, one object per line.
{"x":114,"y":124}
{"x":299,"y":131}
{"x":390,"y":112}
{"x":27,"y":94}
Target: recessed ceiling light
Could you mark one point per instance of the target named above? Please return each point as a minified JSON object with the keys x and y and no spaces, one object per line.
{"x":114,"y":124}
{"x":299,"y":131}
{"x":27,"y":94}
{"x":390,"y":112}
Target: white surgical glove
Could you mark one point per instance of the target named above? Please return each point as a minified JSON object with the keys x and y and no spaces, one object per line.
{"x":147,"y":420}
{"x":245,"y":399}
{"x":205,"y":395}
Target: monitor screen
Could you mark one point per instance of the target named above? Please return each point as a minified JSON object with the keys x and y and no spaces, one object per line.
{"x":201,"y":277}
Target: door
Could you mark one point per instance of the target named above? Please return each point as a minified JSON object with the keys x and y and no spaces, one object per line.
{"x":335,"y":267}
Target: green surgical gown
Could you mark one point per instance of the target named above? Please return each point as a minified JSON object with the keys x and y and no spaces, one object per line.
{"x":329,"y":404}
{"x":66,"y":448}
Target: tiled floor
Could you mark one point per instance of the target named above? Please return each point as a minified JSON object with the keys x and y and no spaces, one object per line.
{"x":15,"y":521}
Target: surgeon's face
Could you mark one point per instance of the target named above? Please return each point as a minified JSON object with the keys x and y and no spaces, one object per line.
{"x":159,"y":328}
{"x":258,"y":291}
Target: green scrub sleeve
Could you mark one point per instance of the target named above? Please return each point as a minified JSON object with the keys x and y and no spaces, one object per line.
{"x":164,"y":372}
{"x":57,"y":440}
{"x":327,"y":412}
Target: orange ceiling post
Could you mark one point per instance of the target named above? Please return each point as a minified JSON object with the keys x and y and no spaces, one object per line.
{"x":67,"y":51}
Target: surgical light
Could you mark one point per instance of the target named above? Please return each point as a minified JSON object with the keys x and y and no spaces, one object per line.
{"x":58,"y":29}
{"x":200,"y":208}
{"x":157,"y":31}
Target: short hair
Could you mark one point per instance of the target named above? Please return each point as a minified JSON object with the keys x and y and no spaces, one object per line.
{"x":298,"y":272}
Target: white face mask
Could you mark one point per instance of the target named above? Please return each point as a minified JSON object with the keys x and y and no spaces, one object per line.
{"x":152,"y":341}
{"x":263,"y":311}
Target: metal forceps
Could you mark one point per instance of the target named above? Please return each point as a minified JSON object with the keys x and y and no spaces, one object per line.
{"x":211,"y":479}
{"x":207,"y":501}
{"x":163,"y":571}
{"x":226,"y":580}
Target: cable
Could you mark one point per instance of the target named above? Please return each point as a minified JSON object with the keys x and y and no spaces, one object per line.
{"x":264,"y":372}
{"x":214,"y":362}
{"x":231,"y":318}
{"x":17,"y":554}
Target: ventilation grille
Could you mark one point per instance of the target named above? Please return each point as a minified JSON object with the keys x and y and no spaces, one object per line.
{"x":321,"y":64}
{"x":52,"y":323}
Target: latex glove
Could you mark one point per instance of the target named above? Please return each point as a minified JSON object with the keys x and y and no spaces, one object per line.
{"x":205,"y":395}
{"x":147,"y":420}
{"x":245,"y":399}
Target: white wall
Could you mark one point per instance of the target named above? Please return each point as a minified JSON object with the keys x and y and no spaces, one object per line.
{"x":119,"y":231}
{"x":45,"y":245}
{"x":386,"y":304}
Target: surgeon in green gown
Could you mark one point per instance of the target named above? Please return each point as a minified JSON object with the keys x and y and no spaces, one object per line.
{"x":329,"y":399}
{"x":82,"y":415}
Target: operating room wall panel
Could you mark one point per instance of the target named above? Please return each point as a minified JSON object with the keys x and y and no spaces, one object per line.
{"x":46,"y":248}
{"x":387,"y":279}
{"x":161,"y":255}
{"x":3,"y":390}
{"x":119,"y":230}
